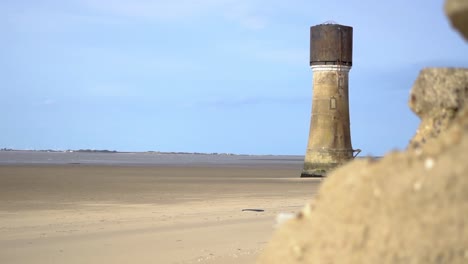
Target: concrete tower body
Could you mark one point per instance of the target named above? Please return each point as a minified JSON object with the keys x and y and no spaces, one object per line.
{"x":329,"y":143}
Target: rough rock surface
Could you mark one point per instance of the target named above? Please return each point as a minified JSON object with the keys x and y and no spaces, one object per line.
{"x":457,"y":11}
{"x":437,"y":96}
{"x":409,"y":207}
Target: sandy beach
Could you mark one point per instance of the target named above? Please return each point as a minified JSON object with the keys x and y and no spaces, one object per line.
{"x":82,"y":213}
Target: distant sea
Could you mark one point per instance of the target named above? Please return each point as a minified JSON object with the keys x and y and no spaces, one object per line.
{"x":142,"y":158}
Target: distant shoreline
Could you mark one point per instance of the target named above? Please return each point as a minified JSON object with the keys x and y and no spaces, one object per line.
{"x":142,"y":152}
{"x":96,"y":157}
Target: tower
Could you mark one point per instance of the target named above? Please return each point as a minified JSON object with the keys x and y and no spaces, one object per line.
{"x":329,"y":144}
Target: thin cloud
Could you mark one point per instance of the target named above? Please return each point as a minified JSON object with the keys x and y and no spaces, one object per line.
{"x":45,"y":19}
{"x":143,"y":9}
{"x":289,"y":56}
{"x":109,"y":89}
{"x":245,"y":13}
{"x":49,"y":16}
{"x":48,"y":101}
{"x":254,"y":100}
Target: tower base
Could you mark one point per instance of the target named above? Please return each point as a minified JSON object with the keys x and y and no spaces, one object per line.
{"x":318,"y":170}
{"x":308,"y":175}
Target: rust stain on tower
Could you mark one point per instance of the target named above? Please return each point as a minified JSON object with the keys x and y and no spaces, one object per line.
{"x":331,"y":52}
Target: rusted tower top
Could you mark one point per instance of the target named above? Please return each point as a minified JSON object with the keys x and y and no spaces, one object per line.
{"x":331,"y":44}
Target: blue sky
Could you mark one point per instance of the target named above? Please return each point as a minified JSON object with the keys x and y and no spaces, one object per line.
{"x":208,"y":75}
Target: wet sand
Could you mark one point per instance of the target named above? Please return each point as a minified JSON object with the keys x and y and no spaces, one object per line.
{"x":144,"y":214}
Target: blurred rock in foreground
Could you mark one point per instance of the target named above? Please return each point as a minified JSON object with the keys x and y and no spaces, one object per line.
{"x":438,"y":95}
{"x":457,"y":11}
{"x":409,"y":207}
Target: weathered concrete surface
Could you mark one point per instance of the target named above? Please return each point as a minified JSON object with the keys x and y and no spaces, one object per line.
{"x":329,"y":143}
{"x":438,"y":95}
{"x":457,"y":11}
{"x":409,"y":207}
